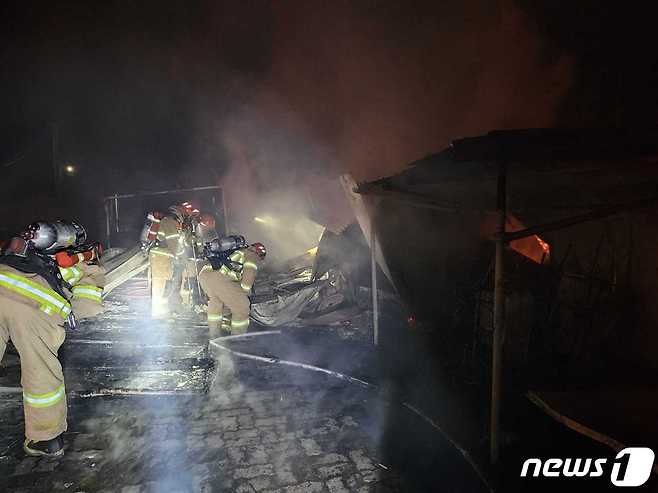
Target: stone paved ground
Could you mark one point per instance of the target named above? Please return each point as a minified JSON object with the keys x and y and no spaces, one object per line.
{"x":241,"y":437}
{"x":260,"y":428}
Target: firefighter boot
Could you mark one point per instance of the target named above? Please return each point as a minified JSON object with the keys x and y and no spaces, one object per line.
{"x":47,"y":448}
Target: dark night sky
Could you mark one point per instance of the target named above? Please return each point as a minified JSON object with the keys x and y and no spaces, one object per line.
{"x":123,"y":80}
{"x":287,"y":88}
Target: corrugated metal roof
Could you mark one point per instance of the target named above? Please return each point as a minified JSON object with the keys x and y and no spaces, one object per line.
{"x":547,"y":169}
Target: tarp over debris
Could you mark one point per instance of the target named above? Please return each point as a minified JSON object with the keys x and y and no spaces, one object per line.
{"x":321,"y":288}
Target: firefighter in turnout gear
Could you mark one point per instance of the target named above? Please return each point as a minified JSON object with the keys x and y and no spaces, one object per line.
{"x":174,"y":243}
{"x":37,"y":302}
{"x":228,"y":281}
{"x":201,"y":232}
{"x":163,"y":239}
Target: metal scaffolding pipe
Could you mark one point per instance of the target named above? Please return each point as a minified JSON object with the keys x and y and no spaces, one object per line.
{"x":499,"y":317}
{"x":373,"y":270}
{"x":225,"y":212}
{"x":163,"y":192}
{"x":116,"y":212}
{"x":600,"y":213}
{"x":412,"y":199}
{"x":108,"y":231}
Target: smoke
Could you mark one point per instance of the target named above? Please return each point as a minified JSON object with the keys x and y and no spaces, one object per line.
{"x":260,"y":96}
{"x":366,"y":88}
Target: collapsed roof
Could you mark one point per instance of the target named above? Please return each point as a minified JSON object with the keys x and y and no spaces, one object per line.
{"x":435,"y":220}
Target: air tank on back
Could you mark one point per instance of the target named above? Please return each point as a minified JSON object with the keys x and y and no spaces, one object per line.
{"x":227,"y":243}
{"x":51,"y":237}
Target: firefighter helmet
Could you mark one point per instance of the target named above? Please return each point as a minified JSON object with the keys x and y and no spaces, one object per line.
{"x":190,"y":210}
{"x":260,"y":249}
{"x":207,"y":220}
{"x":204,"y":227}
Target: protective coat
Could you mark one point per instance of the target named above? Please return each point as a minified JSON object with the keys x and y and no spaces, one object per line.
{"x":228,"y":292}
{"x":32,"y":316}
{"x":37,"y":337}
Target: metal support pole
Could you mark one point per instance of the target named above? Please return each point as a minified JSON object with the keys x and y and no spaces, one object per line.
{"x":596,"y":214}
{"x":162,"y":192}
{"x":373,"y":269}
{"x":116,"y":212}
{"x":499,"y":317}
{"x":107,"y":224}
{"x":226,"y":228}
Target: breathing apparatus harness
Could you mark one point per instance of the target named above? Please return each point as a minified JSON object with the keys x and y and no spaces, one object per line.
{"x":33,"y":252}
{"x":23,"y":256}
{"x":219,"y":251}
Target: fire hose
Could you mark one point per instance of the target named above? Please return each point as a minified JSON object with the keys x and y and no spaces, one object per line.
{"x":273,"y":360}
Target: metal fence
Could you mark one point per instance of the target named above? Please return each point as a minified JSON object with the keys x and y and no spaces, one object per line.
{"x":125,"y":213}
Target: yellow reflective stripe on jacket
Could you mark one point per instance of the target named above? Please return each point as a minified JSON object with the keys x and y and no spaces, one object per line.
{"x":88,"y":291}
{"x":44,"y":400}
{"x":162,"y":252}
{"x":214,"y":318}
{"x":248,"y":265}
{"x":45,"y":296}
{"x":231,"y":274}
{"x":71,"y":274}
{"x":237,"y":256}
{"x":238,"y":324}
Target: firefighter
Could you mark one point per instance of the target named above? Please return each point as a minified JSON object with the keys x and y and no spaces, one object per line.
{"x":163,"y":238}
{"x":36,"y":305}
{"x":86,"y":280}
{"x":205,"y":229}
{"x":202,"y":231}
{"x":228,"y":282}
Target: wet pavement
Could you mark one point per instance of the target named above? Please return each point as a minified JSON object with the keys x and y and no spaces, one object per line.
{"x":253,"y":426}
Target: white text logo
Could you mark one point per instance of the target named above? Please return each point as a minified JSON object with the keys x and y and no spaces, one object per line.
{"x":631,"y":467}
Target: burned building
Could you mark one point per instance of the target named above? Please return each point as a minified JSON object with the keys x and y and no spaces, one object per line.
{"x":576,"y":277}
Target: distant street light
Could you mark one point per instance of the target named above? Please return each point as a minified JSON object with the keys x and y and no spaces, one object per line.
{"x":70,"y":169}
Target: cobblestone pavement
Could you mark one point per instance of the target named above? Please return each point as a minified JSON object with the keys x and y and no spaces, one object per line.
{"x":260,"y":428}
{"x":241,"y":437}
